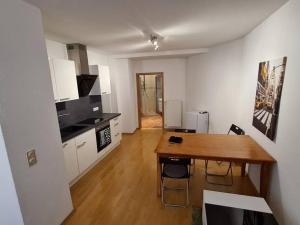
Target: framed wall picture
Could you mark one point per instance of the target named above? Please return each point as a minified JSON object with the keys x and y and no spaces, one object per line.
{"x":268,"y":93}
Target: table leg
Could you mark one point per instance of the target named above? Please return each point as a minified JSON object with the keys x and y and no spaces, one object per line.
{"x":158,"y":175}
{"x":243,"y":169}
{"x":265,"y":173}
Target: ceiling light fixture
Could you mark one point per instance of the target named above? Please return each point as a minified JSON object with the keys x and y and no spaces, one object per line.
{"x":154,"y":41}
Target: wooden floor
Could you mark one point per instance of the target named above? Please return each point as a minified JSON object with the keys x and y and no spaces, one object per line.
{"x":152,"y":121}
{"x":121,"y":189}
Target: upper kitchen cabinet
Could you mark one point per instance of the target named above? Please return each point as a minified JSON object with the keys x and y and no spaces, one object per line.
{"x":104,"y":79}
{"x":64,"y":81}
{"x":56,"y":97}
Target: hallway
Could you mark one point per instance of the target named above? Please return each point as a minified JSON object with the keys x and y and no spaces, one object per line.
{"x":152,"y":121}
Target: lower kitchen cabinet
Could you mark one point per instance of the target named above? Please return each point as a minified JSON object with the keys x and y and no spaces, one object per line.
{"x":81,"y":152}
{"x":115,"y":128}
{"x":71,"y":163}
{"x":86,"y":149}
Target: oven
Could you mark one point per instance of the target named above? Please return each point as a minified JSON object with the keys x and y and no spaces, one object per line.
{"x":103,"y":135}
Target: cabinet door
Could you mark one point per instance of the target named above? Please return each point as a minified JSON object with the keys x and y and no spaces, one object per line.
{"x":115,"y":128}
{"x":71,"y":163}
{"x":104,"y":80}
{"x":86,"y":149}
{"x":65,"y":76}
{"x":56,"y":97}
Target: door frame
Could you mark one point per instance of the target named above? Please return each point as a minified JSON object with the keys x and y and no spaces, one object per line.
{"x":139,"y":103}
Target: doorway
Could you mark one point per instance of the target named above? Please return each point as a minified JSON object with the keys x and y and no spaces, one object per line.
{"x":150,"y":100}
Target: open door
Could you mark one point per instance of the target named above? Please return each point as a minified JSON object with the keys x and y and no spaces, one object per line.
{"x":150,"y":100}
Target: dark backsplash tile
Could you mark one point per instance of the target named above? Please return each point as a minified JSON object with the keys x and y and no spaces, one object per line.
{"x":74,"y":111}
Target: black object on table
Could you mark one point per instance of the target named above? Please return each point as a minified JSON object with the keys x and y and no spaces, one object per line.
{"x":174,"y":139}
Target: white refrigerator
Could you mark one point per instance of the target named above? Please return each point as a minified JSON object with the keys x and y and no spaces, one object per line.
{"x":198,"y":121}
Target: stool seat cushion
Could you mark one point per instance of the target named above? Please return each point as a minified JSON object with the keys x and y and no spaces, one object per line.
{"x":175,"y":171}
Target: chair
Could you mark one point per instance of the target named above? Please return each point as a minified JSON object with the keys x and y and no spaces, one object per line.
{"x":193,"y":161}
{"x":175,"y":168}
{"x":238,"y":131}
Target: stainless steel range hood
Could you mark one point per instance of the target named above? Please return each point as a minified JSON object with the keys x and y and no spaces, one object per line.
{"x":85,"y":80}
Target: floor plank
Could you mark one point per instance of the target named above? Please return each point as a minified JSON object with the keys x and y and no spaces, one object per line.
{"x":154,"y":121}
{"x":121,"y":189}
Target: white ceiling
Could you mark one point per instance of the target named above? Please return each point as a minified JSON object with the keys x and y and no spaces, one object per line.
{"x":124,"y":26}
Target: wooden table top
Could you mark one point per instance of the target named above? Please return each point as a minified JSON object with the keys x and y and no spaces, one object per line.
{"x":215,"y":147}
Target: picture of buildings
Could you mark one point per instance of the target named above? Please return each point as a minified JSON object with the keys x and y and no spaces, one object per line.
{"x":268,"y":94}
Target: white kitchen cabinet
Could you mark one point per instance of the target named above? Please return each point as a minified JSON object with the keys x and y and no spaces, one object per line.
{"x":70,"y":156}
{"x":115,"y":129}
{"x":53,"y":80}
{"x":104,"y":79}
{"x":86,"y":149}
{"x":64,"y":76}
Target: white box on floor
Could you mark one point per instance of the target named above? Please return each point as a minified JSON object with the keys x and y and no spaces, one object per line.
{"x":198,"y":121}
{"x":232,"y":209}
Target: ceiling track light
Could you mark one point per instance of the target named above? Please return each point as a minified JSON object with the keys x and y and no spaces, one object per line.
{"x":154,"y":41}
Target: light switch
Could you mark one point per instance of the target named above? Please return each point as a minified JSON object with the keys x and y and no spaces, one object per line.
{"x":31,"y":157}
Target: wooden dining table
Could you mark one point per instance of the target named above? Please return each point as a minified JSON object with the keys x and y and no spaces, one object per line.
{"x":241,"y":149}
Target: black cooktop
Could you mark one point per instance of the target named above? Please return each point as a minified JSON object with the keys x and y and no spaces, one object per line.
{"x":222,"y":215}
{"x":91,"y":121}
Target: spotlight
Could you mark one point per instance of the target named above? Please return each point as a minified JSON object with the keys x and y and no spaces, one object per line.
{"x":154,"y":40}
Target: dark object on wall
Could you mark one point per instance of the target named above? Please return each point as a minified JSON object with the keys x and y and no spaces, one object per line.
{"x":72,"y":112}
{"x":268,"y":94}
{"x":85,"y":84}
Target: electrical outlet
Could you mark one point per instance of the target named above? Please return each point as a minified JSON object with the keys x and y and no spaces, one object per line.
{"x":31,"y":157}
{"x":95,"y":109}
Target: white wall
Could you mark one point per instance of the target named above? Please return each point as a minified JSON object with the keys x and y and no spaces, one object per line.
{"x":232,"y":68}
{"x":121,"y":75}
{"x":10,"y":212}
{"x":28,"y":116}
{"x":174,"y":70}
{"x":213,"y":84}
{"x":278,"y":36}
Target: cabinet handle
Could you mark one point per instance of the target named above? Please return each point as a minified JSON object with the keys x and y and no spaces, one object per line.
{"x":64,"y":99}
{"x":116,"y":135}
{"x":104,"y":92}
{"x":64,"y":114}
{"x":65,"y":145}
{"x":79,"y":146}
{"x":116,"y":124}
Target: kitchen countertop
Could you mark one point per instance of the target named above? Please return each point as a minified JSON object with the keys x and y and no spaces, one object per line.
{"x":108,"y":116}
{"x":74,"y":130}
